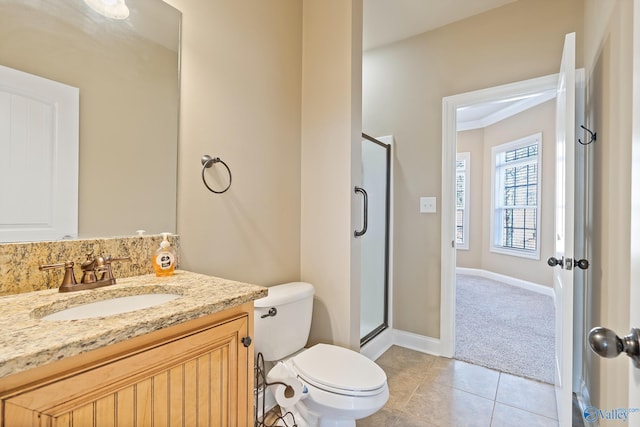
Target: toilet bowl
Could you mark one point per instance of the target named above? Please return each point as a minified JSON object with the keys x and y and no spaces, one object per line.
{"x":341,"y":385}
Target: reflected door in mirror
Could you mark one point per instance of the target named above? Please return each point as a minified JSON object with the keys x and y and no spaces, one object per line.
{"x":38,"y":158}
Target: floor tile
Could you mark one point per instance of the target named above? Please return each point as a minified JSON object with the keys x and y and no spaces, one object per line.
{"x":508,"y":416}
{"x":429,"y":391}
{"x":465,"y":376}
{"x":402,"y":385}
{"x":408,"y":420}
{"x":447,"y":406}
{"x":407,"y":361}
{"x":383,"y":417}
{"x":527,"y":394}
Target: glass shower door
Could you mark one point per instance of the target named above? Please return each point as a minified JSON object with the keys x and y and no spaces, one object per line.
{"x":376,"y":157}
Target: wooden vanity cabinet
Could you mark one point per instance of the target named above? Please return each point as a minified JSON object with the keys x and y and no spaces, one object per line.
{"x":198,"y":373}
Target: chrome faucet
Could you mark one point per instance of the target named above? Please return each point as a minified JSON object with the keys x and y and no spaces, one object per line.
{"x":96,"y":273}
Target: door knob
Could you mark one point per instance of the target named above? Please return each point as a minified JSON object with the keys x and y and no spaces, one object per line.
{"x":582,"y":264}
{"x":553,"y":261}
{"x":605,"y":343}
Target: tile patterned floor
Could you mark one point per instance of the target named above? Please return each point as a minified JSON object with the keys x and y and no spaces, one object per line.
{"x":426,"y":391}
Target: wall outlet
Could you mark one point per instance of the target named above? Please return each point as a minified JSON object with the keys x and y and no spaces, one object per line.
{"x":427,"y":205}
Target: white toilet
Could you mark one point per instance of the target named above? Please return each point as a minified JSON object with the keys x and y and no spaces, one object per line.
{"x":342,"y":385}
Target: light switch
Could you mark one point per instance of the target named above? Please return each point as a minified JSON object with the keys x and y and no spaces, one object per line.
{"x":427,"y":204}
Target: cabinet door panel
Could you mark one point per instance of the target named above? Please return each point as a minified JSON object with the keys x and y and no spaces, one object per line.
{"x":189,"y":381}
{"x":105,"y":408}
{"x":176,"y":396}
{"x":83,"y":416}
{"x":160,"y":399}
{"x":143,"y":402}
{"x":125,"y":404}
{"x":204,"y":390}
{"x":191,"y":393}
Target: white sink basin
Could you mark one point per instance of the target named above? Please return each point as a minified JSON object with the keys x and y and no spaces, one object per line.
{"x":110,"y":307}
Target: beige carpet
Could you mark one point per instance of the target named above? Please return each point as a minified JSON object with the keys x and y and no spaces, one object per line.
{"x":505,"y":328}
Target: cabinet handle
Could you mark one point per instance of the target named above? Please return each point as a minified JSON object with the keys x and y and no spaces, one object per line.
{"x":246,"y":341}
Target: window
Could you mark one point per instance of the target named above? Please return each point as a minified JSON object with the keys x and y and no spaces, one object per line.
{"x":462,"y":200}
{"x":516,"y":196}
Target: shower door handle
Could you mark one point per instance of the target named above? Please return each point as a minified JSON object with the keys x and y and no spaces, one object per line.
{"x":365,"y":215}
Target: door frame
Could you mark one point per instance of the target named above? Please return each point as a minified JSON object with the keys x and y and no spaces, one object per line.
{"x":450,"y":105}
{"x":634,"y":261}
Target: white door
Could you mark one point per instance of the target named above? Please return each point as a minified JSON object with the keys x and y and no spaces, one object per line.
{"x":39,"y":125}
{"x":564,"y":229}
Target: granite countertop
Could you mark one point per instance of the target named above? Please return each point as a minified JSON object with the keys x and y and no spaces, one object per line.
{"x":28,"y":342}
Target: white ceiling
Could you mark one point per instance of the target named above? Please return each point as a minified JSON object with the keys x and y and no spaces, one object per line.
{"x":487,"y":113}
{"x":387,"y":21}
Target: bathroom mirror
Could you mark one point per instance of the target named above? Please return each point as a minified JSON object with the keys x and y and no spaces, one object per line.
{"x":127,"y":72}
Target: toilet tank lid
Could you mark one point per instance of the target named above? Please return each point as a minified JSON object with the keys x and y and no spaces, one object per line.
{"x":285,"y":294}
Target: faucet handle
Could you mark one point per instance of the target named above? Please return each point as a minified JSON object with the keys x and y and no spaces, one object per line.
{"x":90,"y":263}
{"x":69,"y":279}
{"x":105,"y":267}
{"x":89,"y":268}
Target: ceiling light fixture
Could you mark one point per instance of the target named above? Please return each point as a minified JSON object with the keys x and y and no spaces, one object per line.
{"x":114,"y":9}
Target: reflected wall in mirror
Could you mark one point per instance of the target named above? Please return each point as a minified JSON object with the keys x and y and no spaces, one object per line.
{"x":128,"y":75}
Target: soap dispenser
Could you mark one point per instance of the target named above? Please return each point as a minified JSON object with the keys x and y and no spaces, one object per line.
{"x":164,"y":260}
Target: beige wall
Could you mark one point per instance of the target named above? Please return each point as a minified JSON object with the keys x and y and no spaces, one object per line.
{"x":331,"y":127}
{"x":609,"y":87}
{"x":537,"y":119}
{"x":240,"y":101}
{"x":273,"y":88}
{"x":403,"y":87}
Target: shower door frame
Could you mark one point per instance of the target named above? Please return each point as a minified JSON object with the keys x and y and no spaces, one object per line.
{"x":385,"y":324}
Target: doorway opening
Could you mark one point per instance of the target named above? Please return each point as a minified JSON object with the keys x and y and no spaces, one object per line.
{"x":451,"y":108}
{"x":495,"y":140}
{"x":504,"y":221}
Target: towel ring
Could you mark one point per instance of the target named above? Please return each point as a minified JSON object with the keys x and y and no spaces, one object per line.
{"x":207,"y":162}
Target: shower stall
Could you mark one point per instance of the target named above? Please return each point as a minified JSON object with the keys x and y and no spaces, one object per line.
{"x":375,"y":235}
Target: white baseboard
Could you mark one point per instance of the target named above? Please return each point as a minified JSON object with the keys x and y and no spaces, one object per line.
{"x":530,"y":286}
{"x":377,"y":346}
{"x":417,"y":342}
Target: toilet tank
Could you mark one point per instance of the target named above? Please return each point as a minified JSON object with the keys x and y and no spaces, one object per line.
{"x":283,"y":320}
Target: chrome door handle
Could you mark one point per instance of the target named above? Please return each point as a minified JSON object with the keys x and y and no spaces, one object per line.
{"x":568,"y":263}
{"x":553,"y":261}
{"x":605,"y":343}
{"x":582,"y":264}
{"x":365,"y":212}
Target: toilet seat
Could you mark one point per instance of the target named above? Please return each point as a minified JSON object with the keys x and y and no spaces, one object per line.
{"x":339,"y":370}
